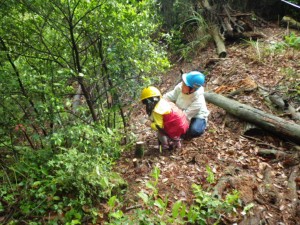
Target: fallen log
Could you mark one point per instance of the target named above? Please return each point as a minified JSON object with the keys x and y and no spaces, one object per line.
{"x":290,"y":22}
{"x":214,"y":31}
{"x":221,"y":49}
{"x":283,"y":128}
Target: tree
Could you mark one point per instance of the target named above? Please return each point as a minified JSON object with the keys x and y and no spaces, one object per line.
{"x":74,"y":58}
{"x":68,"y":70}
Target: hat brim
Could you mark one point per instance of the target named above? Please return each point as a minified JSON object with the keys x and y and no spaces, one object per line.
{"x":185,"y":80}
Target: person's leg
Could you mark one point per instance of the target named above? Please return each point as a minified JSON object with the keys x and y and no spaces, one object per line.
{"x":163,"y":140}
{"x":196,"y":129}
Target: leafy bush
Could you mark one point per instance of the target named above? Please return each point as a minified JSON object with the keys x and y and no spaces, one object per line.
{"x":43,"y":182}
{"x":153,"y":209}
{"x":208,"y":207}
{"x":191,"y":33}
{"x":292,"y":41}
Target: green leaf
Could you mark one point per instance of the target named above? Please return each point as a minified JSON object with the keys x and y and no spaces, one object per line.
{"x":74,"y":222}
{"x":112,"y":201}
{"x":110,"y":131}
{"x":36,"y":184}
{"x":175,"y":208}
{"x":143,"y":196}
{"x":247,"y":208}
{"x":118,"y":214}
{"x":150,"y":185}
{"x":159,"y":203}
{"x":56,"y":198}
{"x":104,"y":182}
{"x":210,"y":175}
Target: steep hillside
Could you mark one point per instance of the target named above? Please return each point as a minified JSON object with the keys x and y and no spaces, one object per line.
{"x":268,"y":183}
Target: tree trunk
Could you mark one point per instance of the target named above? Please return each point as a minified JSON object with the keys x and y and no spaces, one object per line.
{"x":276,"y":125}
{"x":291,"y":22}
{"x":214,"y":31}
{"x":221,"y":49}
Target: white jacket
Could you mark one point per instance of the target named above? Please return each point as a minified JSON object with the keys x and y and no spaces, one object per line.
{"x":193,"y":105}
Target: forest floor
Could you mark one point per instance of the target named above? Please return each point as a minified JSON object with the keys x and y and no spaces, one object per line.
{"x":228,"y":147}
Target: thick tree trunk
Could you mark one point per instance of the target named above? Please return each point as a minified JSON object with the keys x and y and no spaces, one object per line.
{"x":274,"y":124}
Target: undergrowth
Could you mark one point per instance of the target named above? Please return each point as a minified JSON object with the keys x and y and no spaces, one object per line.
{"x":154,"y":209}
{"x":63,"y":184}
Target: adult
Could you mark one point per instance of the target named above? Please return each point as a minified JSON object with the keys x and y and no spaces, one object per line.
{"x":188,"y":95}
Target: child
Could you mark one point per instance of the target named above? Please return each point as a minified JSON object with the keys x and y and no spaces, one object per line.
{"x":166,"y":118}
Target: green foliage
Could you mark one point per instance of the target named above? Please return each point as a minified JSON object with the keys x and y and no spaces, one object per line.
{"x":187,"y":29}
{"x":210,"y":175}
{"x":154,"y":208}
{"x":292,"y":41}
{"x":52,"y":48}
{"x":208,"y":207}
{"x":260,"y":51}
{"x":174,"y":12}
{"x":73,"y":177}
{"x":52,"y":183}
{"x":70,"y":69}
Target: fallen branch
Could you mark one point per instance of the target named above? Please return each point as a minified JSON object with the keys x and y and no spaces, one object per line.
{"x":290,"y":22}
{"x":133,"y":207}
{"x":221,"y":49}
{"x":272,"y":154}
{"x":285,"y":129}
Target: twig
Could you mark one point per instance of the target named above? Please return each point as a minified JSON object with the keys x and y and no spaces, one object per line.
{"x":133,"y":207}
{"x":259,"y":141}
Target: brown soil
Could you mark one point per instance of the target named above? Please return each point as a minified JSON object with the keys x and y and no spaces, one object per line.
{"x":224,"y":147}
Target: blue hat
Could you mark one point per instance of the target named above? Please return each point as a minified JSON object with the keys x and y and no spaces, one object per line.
{"x":193,"y":79}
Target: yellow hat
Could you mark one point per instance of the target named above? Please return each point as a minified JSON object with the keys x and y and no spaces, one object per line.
{"x":149,"y":92}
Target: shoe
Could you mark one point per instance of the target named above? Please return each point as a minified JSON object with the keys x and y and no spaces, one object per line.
{"x":165,"y":147}
{"x":177,"y":144}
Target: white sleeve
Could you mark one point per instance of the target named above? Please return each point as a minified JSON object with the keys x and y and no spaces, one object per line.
{"x":173,"y":95}
{"x":197,"y":107}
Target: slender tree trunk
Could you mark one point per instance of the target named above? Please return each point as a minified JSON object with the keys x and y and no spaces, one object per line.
{"x":23,"y":90}
{"x":78,"y":66}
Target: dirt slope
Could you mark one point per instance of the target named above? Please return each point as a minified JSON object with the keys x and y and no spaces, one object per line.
{"x":269,"y":183}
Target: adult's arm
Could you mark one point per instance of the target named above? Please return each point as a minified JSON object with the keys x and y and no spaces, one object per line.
{"x":173,"y":95}
{"x":197,"y":108}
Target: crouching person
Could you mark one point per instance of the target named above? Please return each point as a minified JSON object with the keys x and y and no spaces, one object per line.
{"x":166,"y":118}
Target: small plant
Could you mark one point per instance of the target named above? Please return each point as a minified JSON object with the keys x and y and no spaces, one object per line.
{"x":153,"y":209}
{"x":258,"y":51}
{"x":292,"y":41}
{"x":42,"y":182}
{"x":208,"y":208}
